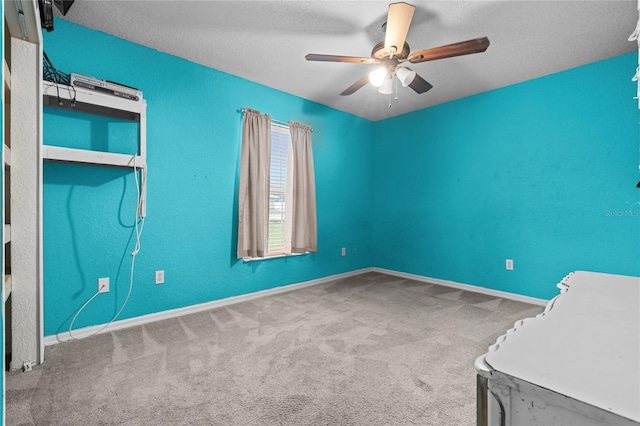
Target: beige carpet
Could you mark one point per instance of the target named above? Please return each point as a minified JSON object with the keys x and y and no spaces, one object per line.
{"x":367,"y":350}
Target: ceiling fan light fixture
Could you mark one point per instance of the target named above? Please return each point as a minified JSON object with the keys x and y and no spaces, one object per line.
{"x":387,"y":86}
{"x":377,"y":77}
{"x":405,"y":75}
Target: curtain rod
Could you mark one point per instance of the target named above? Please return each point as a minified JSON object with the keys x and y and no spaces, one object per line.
{"x":274,"y":120}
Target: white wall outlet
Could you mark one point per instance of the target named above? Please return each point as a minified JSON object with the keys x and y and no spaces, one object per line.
{"x":344,"y":251}
{"x":103,"y":285}
{"x":159,"y":277}
{"x":509,"y":264}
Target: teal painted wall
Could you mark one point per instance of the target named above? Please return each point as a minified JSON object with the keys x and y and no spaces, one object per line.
{"x":542,"y":172}
{"x":193,"y":142}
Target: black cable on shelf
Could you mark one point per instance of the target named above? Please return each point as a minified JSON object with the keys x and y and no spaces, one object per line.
{"x":51,"y":73}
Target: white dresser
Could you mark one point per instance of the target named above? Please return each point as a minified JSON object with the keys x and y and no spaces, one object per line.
{"x":577,"y":363}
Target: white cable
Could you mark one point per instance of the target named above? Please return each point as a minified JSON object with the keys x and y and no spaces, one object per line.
{"x":78,"y":313}
{"x":134,"y":253}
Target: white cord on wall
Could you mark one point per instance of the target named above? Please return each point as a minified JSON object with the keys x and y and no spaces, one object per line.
{"x":138,"y":227}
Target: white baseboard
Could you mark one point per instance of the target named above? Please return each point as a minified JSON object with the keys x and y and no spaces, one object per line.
{"x":173,"y":313}
{"x":467,"y":287}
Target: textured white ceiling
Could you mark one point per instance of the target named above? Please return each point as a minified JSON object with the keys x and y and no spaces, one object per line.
{"x":266,"y":41}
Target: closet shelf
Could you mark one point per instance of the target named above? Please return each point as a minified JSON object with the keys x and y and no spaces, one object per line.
{"x":97,"y":158}
{"x":6,"y":154}
{"x":98,"y":103}
{"x":7,"y":75}
{"x":91,"y":102}
{"x":7,"y":287}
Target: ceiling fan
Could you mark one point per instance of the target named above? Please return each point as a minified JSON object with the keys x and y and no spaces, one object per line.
{"x":394,"y":50}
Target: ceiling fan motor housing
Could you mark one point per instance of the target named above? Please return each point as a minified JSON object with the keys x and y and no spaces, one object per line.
{"x":379,"y":52}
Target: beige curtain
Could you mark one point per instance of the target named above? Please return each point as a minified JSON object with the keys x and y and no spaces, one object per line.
{"x":304,"y":234}
{"x":253,"y":194}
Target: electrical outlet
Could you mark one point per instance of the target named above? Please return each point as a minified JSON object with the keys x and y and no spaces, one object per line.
{"x":344,"y":251}
{"x":509,"y":264}
{"x":103,"y":285}
{"x":159,"y":277}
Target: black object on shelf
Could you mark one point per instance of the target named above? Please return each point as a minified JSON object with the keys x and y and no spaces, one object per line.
{"x":63,"y":5}
{"x":46,"y":15}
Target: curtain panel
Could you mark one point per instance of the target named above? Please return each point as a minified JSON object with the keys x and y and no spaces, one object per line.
{"x":304,"y":234}
{"x":253,"y":193}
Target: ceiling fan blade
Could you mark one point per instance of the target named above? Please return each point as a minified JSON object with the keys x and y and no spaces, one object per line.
{"x":398,"y":22}
{"x":420,"y":85}
{"x":476,"y":45}
{"x":336,"y":58}
{"x":356,"y":86}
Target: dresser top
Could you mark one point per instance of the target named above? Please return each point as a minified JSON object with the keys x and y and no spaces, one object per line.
{"x":586,"y":345}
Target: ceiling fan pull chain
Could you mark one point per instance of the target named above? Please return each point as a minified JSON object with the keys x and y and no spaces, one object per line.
{"x":396,"y":98}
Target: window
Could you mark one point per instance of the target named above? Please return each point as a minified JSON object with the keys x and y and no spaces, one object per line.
{"x":278,"y":190}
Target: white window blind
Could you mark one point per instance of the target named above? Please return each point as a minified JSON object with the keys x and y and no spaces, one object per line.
{"x":280,"y":138}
